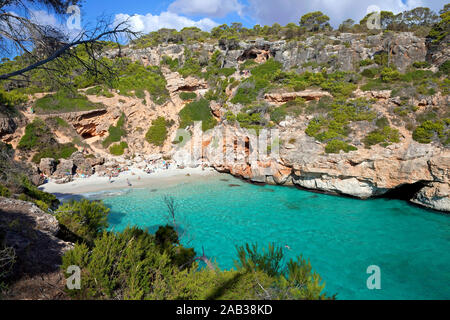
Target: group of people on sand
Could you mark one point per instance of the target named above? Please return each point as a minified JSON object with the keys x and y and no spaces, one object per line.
{"x":153,"y":166}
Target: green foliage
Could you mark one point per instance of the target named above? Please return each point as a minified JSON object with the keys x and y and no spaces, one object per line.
{"x":384,"y":136}
{"x":157,"y":133}
{"x":366,"y":62}
{"x":248,"y":65}
{"x":9,"y":100}
{"x":38,"y":137}
{"x":445,"y":67}
{"x":441,"y":29}
{"x":314,"y":21}
{"x":260,"y":81}
{"x":334,"y":125}
{"x":335,"y":146}
{"x":390,"y":75}
{"x":185,"y":96}
{"x":197,"y":111}
{"x":57,"y":152}
{"x":100,"y":91}
{"x":429,"y":129}
{"x":421,"y":65}
{"x":191,"y":66}
{"x":370,"y":73}
{"x":4,"y":191}
{"x":171,"y":63}
{"x":31,"y":192}
{"x":84,"y":218}
{"x":64,"y":101}
{"x":118,"y":149}
{"x":278,"y":114}
{"x":135,"y":265}
{"x":115,"y":132}
{"x":135,"y":79}
{"x":251,"y":259}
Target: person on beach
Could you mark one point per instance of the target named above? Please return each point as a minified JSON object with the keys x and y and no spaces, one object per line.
{"x":129,"y":183}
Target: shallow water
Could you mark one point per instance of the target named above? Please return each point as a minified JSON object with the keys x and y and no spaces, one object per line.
{"x":341,"y":236}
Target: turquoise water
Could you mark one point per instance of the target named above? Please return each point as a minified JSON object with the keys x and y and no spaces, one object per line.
{"x":341,"y":236}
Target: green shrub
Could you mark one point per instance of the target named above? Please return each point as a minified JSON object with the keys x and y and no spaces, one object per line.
{"x":370,"y":73}
{"x":197,"y":111}
{"x":366,"y":62}
{"x":99,"y":91}
{"x":278,"y":114}
{"x":248,"y":64}
{"x":384,"y":136}
{"x":135,"y":265}
{"x":157,"y":134}
{"x":135,"y":79}
{"x":390,"y":75}
{"x":31,"y":192}
{"x":429,"y":129}
{"x":64,"y":101}
{"x":115,"y":132}
{"x":335,"y":146}
{"x":421,"y":65}
{"x":84,"y":218}
{"x":4,"y":191}
{"x":188,"y":96}
{"x":445,"y":67}
{"x":173,"y":64}
{"x":39,"y":137}
{"x":57,"y":152}
{"x":118,"y":149}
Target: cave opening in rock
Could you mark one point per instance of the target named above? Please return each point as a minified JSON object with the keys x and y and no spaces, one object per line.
{"x":405,"y":192}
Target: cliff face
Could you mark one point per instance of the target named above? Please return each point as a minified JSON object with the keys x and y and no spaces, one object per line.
{"x":302,"y":161}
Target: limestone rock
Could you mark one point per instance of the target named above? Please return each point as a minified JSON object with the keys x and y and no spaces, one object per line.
{"x":32,"y":233}
{"x":47,"y":166}
{"x":435,"y":196}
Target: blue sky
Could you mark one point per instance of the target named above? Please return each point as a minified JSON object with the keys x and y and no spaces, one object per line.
{"x":151,"y":15}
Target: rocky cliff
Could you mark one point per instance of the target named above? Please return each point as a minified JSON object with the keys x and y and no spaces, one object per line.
{"x":419,"y":171}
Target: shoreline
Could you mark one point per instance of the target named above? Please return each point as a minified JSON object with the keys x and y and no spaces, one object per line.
{"x":137,"y":178}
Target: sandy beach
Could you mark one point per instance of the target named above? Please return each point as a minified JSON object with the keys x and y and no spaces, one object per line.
{"x":136,"y":177}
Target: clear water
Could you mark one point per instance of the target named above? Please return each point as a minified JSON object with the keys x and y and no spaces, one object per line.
{"x":341,"y":236}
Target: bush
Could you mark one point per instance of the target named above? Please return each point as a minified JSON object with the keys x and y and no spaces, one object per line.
{"x":429,"y":129}
{"x":157,"y":134}
{"x":118,"y":149}
{"x":188,"y":96}
{"x":135,"y":265}
{"x":335,"y":146}
{"x":84,"y":218}
{"x":64,"y":101}
{"x":445,"y":67}
{"x":4,"y":192}
{"x":385,"y":136}
{"x":135,"y":79}
{"x":197,"y":111}
{"x":57,"y":152}
{"x":171,"y":63}
{"x":115,"y":132}
{"x":278,"y":114}
{"x":390,"y":75}
{"x":370,"y":73}
{"x":38,"y":136}
{"x":421,"y":65}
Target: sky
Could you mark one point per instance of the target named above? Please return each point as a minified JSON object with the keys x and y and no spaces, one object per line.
{"x":150,"y":15}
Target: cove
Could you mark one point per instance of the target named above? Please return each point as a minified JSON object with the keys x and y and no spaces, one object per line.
{"x":342,"y":237}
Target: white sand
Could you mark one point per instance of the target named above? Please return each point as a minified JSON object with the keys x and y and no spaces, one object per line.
{"x":138,"y":179}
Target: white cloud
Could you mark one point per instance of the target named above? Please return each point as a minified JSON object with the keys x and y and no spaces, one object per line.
{"x":267,"y":12}
{"x":148,"y":23}
{"x":209,"y":8}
